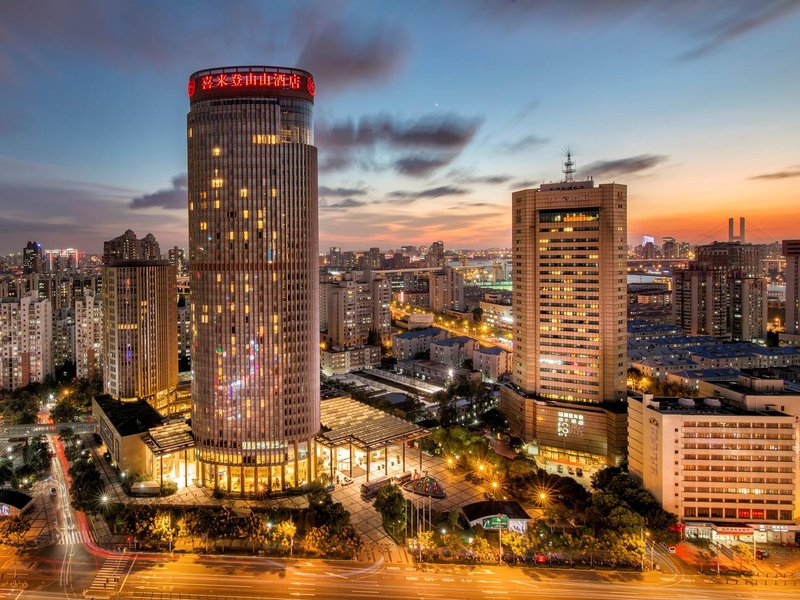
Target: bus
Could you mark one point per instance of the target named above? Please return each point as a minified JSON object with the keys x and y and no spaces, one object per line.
{"x":370,"y":490}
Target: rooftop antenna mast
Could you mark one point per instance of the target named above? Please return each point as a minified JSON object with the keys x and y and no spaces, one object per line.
{"x":569,"y":165}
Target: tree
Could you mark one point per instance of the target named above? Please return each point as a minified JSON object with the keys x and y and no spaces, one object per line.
{"x":482,"y":549}
{"x":494,"y":419}
{"x":426,"y":540}
{"x":453,"y":542}
{"x":514,"y":542}
{"x":391,"y":504}
{"x":20,"y":408}
{"x":284,"y":533}
{"x":373,"y":338}
{"x":13,"y":530}
{"x":477,"y":314}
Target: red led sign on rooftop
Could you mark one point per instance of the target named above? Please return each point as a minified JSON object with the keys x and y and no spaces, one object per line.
{"x":253,"y":80}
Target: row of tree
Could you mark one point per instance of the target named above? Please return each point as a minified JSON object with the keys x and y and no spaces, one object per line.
{"x":322,"y":529}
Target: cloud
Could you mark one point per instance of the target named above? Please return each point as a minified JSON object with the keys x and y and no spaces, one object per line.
{"x":736,"y":21}
{"x":470,"y":205}
{"x":421,"y":166}
{"x":445,"y":132}
{"x":437,"y":192}
{"x":172,"y":198}
{"x":464,"y":177}
{"x":341,"y":192}
{"x":344,"y":204}
{"x":623,"y":166}
{"x":523,"y":184}
{"x":339,"y":58}
{"x":524,"y":143}
{"x":705,"y":26}
{"x":67,"y":213}
{"x":792,"y":172}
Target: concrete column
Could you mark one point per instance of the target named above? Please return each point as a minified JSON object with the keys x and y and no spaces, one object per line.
{"x":295,"y":483}
{"x":404,"y":456}
{"x":385,"y":459}
{"x":186,"y":468}
{"x":332,"y":462}
{"x":350,"y":447}
{"x":368,"y":453}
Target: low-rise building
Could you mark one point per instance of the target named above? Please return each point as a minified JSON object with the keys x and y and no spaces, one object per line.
{"x":435,"y":372}
{"x":708,"y":460}
{"x":453,"y":351}
{"x":406,"y":346}
{"x":338,"y":361}
{"x":497,"y":315}
{"x":493,"y":362}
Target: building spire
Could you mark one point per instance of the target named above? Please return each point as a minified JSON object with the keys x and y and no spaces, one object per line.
{"x":569,"y":165}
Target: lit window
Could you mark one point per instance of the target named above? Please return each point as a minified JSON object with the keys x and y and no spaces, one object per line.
{"x":216,"y":151}
{"x":243,"y":193}
{"x":246,"y":214}
{"x":216,"y":182}
{"x":203,"y":226}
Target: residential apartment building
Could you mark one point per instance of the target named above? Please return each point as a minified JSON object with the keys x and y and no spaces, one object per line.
{"x":453,"y":351}
{"x":25,"y":341}
{"x":88,"y":335}
{"x":406,"y":346}
{"x":493,"y":362}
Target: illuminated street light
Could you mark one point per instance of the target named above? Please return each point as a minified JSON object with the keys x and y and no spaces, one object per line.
{"x":104,"y":499}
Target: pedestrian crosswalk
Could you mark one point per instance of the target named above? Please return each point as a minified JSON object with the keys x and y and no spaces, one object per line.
{"x":71,"y":537}
{"x":108,"y":578}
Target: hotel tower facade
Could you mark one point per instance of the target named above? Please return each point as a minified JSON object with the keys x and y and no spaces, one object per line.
{"x":253,"y":251}
{"x":566,"y":399}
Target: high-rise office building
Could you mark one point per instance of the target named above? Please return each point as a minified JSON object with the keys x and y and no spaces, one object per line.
{"x":253,"y":250}
{"x":32,"y":258}
{"x":568,"y":385}
{"x":791,"y":252}
{"x":140,"y":354}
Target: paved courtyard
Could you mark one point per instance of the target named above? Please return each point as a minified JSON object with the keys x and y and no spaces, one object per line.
{"x":367,"y":520}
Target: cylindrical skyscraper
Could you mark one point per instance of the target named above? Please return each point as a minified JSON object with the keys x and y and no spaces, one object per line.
{"x":253,"y":253}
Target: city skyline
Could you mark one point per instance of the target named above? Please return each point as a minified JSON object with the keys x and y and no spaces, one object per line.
{"x":414,"y":146}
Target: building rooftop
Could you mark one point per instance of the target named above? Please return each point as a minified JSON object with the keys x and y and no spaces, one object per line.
{"x":720,"y":374}
{"x":491,"y":508}
{"x":493,"y":350}
{"x":129,"y":418}
{"x":419,"y":333}
{"x":169,"y":437}
{"x":454,"y":341}
{"x":700,"y":406}
{"x":345,"y":421}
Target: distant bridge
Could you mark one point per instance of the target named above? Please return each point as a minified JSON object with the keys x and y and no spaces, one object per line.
{"x":37,"y":429}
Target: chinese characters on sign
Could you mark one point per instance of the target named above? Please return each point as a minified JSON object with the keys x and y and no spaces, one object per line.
{"x":289,"y":81}
{"x":569,"y":424}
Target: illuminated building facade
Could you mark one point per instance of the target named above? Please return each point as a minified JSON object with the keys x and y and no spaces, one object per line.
{"x":140,"y":338}
{"x":26,"y":351}
{"x":253,"y":251}
{"x":569,"y":306}
{"x":791,"y":251}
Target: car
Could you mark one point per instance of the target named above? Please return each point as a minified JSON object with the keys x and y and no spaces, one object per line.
{"x":346,"y":480}
{"x":560,"y":468}
{"x":672,"y":549}
{"x":579,"y":472}
{"x":570,"y":470}
{"x":760,"y":554}
{"x":53,"y":491}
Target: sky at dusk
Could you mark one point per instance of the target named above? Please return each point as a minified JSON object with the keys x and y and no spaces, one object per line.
{"x":428,"y":114}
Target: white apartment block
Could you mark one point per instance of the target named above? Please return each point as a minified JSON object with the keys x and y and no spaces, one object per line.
{"x":493,"y":363}
{"x":88,"y":335}
{"x":453,"y":351}
{"x":498,"y":316}
{"x":25,"y":341}
{"x":338,"y":361}
{"x":406,"y":346}
{"x":705,"y":460}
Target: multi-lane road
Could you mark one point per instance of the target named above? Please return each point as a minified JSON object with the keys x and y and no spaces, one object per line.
{"x":75,"y":568}
{"x":189,"y":577}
